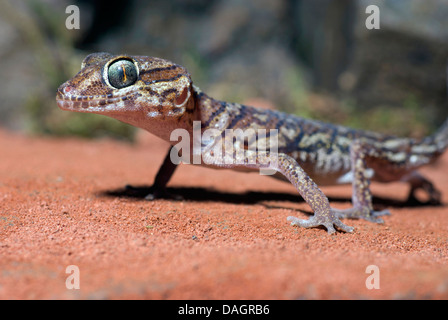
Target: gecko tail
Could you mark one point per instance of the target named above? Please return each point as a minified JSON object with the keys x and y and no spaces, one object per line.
{"x":436,"y":144}
{"x":441,"y":135}
{"x":439,"y":139}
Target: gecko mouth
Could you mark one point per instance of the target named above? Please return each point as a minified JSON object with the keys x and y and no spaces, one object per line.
{"x":99,"y":103}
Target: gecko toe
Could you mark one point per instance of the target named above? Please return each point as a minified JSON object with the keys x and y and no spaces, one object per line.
{"x":376,"y":214}
{"x":373,"y":219}
{"x":310,"y":223}
{"x":343,"y":226}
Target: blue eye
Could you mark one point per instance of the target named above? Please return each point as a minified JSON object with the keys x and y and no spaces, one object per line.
{"x":122,"y":73}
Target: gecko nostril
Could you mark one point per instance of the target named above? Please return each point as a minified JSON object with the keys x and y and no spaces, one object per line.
{"x":68,"y":89}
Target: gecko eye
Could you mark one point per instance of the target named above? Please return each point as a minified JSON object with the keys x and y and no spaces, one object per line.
{"x":122,"y":73}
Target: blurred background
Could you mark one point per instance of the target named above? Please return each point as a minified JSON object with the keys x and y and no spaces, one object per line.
{"x":314,"y":58}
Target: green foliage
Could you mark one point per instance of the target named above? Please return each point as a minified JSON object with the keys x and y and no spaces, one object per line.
{"x":408,"y":120}
{"x":298,"y":94}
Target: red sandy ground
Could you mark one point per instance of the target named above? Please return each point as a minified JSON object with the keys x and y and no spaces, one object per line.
{"x":62,"y":202}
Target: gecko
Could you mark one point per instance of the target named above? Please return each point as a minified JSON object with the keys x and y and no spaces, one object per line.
{"x":159,"y":96}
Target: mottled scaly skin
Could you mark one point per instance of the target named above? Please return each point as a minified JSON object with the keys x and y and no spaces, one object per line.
{"x":162,"y":98}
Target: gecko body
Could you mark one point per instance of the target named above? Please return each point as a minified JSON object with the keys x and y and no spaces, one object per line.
{"x":157,"y":95}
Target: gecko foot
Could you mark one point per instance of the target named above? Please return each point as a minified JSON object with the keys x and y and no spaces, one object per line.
{"x":418,"y":182}
{"x":154,"y":193}
{"x":362,"y":213}
{"x":162,"y":194}
{"x":434,"y":195}
{"x":315,"y":221}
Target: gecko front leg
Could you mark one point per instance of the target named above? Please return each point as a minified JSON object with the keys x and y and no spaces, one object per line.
{"x":166,"y":170}
{"x":163,"y":176}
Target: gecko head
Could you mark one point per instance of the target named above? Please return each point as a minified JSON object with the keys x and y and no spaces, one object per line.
{"x":122,"y":85}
